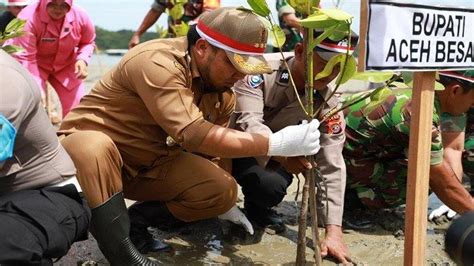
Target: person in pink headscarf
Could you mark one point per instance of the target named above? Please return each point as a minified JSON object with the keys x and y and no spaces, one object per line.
{"x":57,"y":47}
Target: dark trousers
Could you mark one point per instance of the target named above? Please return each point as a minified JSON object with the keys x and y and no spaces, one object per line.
{"x":261,"y":187}
{"x":39,"y":225}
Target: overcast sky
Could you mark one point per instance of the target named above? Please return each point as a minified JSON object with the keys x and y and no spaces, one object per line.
{"x":127,"y":14}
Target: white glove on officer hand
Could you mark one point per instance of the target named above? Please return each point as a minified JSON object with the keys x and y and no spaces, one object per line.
{"x":236,"y":216}
{"x":295,"y":140}
{"x":440,"y":211}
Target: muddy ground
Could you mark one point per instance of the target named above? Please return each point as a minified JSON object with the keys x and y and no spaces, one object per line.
{"x":210,"y":242}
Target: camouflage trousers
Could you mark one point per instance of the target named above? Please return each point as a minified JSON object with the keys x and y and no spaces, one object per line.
{"x":379,"y":183}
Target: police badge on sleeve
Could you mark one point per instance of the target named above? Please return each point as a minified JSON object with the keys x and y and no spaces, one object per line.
{"x":334,"y":125}
{"x":254,"y":81}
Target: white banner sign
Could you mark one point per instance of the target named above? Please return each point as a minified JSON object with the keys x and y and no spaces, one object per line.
{"x":417,"y":37}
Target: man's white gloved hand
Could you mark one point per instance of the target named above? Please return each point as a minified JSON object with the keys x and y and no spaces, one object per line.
{"x":295,"y":140}
{"x":236,"y":216}
{"x":440,"y":211}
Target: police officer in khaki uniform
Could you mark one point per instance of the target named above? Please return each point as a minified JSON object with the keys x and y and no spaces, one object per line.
{"x":138,"y":130}
{"x":41,"y":212}
{"x":267,"y":103}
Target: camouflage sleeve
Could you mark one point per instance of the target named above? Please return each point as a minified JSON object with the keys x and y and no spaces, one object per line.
{"x":453,"y":123}
{"x":436,"y":156}
{"x":436,"y":146}
{"x":436,"y":139}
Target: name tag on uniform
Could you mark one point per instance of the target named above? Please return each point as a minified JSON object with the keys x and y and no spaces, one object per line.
{"x":48,"y":39}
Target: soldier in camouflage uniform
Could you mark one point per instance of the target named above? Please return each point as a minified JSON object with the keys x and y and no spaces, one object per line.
{"x":287,"y":16}
{"x":176,"y":27}
{"x":468,"y":155}
{"x":265,"y":104}
{"x":377,"y":137}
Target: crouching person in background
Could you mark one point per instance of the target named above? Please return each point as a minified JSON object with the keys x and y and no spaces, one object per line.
{"x":41,"y":210}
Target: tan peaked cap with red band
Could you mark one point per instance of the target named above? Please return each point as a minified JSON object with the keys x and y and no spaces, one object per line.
{"x":241,"y":34}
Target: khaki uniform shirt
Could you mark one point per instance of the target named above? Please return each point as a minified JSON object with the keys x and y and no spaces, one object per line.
{"x":38,"y":158}
{"x":152,"y":96}
{"x":268,"y":103}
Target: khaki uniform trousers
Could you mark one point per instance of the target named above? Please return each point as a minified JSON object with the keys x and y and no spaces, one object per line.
{"x":193,"y":188}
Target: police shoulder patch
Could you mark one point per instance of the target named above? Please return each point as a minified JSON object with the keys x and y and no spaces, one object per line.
{"x":284,"y":76}
{"x":334,"y":125}
{"x":254,"y":81}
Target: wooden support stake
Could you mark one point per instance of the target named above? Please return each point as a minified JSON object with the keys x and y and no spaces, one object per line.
{"x":364,"y":17}
{"x":419,"y":168}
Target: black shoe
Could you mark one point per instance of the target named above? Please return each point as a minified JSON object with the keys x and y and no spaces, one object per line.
{"x":146,"y":214}
{"x":265,"y":218}
{"x":352,"y":201}
{"x":357,"y":224}
{"x":145,"y":242}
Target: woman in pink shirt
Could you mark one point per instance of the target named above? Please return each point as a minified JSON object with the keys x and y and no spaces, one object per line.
{"x":58,"y":46}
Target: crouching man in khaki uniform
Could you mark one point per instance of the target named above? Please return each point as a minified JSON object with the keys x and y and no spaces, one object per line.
{"x":267,"y":103}
{"x":137,"y":130}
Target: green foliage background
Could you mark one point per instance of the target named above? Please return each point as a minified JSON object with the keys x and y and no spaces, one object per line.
{"x":118,"y":39}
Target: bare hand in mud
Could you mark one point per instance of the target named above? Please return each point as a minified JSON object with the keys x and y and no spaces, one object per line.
{"x":333,"y":245}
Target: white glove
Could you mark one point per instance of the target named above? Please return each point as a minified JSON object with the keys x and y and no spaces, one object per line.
{"x":440,"y":211}
{"x":295,"y":140}
{"x":236,"y":216}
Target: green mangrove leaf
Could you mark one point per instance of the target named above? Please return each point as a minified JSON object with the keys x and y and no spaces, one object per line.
{"x":340,"y":32}
{"x":336,"y":14}
{"x":12,"y":49}
{"x":439,"y":86}
{"x":348,"y":70}
{"x":13,"y":29}
{"x":377,"y":98}
{"x":277,"y":36}
{"x":15,"y":25}
{"x":162,"y":31}
{"x":375,"y":77}
{"x":399,"y":85}
{"x":322,"y":36}
{"x":176,"y":12}
{"x":260,"y":7}
{"x":299,"y":5}
{"x":327,"y":71}
{"x":11,"y":35}
{"x":318,"y":20}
